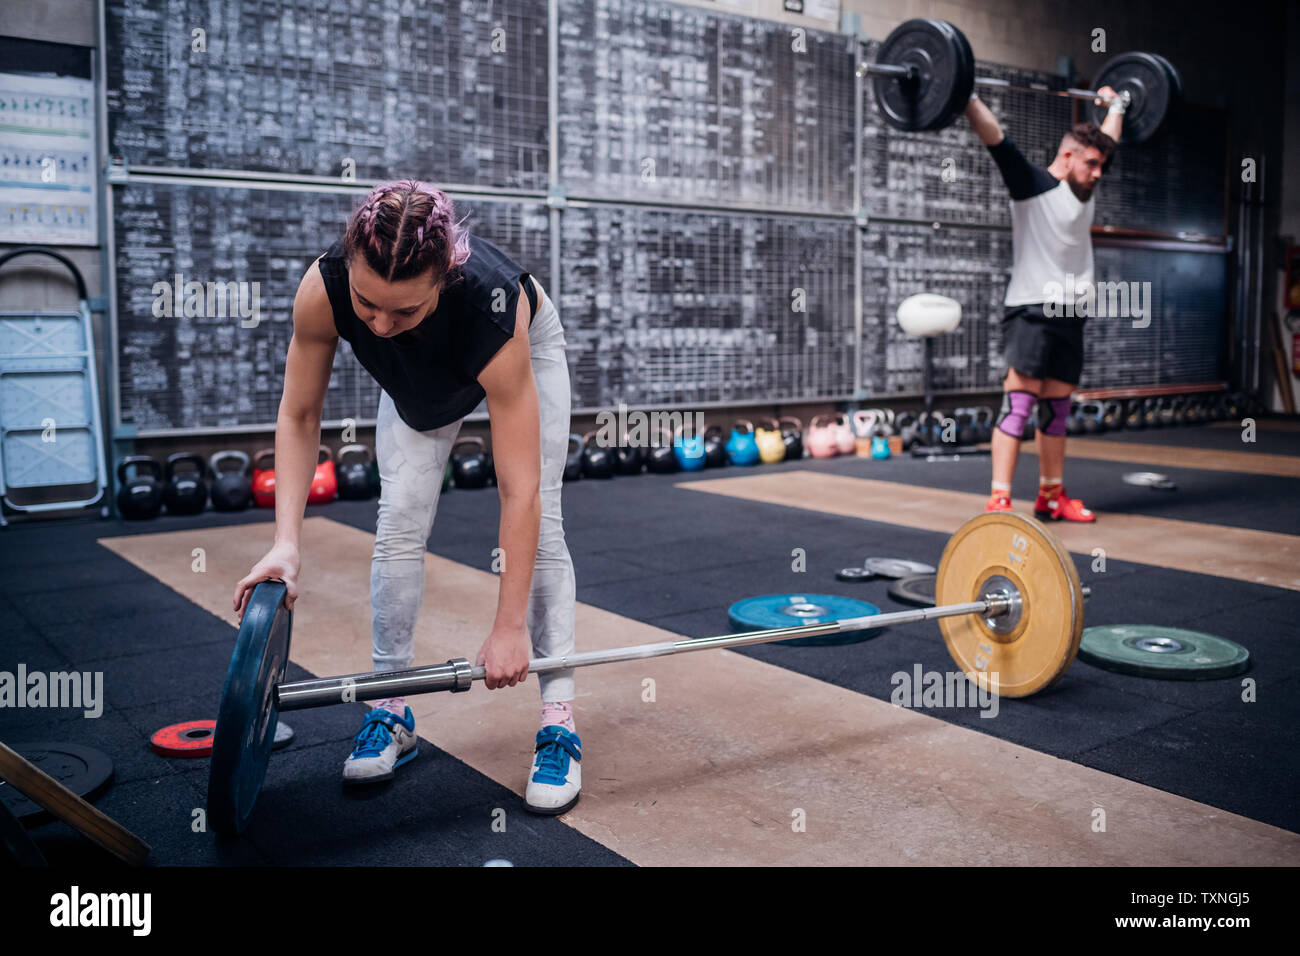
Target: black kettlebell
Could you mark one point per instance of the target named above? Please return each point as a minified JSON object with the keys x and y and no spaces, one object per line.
{"x":715,"y":447}
{"x":984,"y":418}
{"x":1112,"y":415}
{"x":573,"y":459}
{"x":231,"y":490}
{"x":660,"y":457}
{"x":185,"y":492}
{"x":907,"y":429}
{"x":792,"y":435}
{"x":628,"y":459}
{"x":966,"y":434}
{"x":470,"y":466}
{"x":1074,"y":423}
{"x":1092,"y":423}
{"x":597,"y":462}
{"x":139,"y":496}
{"x":354,"y":475}
{"x":1133,"y":417}
{"x":1151,"y":413}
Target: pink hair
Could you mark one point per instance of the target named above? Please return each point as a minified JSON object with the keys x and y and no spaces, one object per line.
{"x":404,"y":229}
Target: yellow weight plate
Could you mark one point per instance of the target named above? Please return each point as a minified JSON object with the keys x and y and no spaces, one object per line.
{"x":1035,"y":649}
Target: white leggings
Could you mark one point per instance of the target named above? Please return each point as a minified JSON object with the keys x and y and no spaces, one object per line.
{"x":411,"y":467}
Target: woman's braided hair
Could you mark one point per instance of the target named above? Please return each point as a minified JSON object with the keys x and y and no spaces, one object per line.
{"x":406,"y":228}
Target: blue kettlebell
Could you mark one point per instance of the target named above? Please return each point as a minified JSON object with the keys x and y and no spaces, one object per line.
{"x":879,"y":446}
{"x":689,"y":451}
{"x":742,"y":447}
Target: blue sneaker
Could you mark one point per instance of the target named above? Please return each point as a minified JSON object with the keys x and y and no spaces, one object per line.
{"x":384,"y":743}
{"x":556,"y":775}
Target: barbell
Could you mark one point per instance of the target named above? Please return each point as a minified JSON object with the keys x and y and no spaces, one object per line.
{"x":1012,"y":621}
{"x":924,"y":73}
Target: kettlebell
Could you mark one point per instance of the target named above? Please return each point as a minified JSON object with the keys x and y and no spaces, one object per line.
{"x":324,"y":483}
{"x":1151,"y":412}
{"x":469,"y":463}
{"x":573,"y":459}
{"x":662,"y":458}
{"x":879,"y":445}
{"x":792,"y":437}
{"x":844,"y":438}
{"x":628,"y":459}
{"x":1090,"y":415}
{"x":264,"y":478}
{"x":1133,"y":417}
{"x":1074,"y":423}
{"x":907,"y":427}
{"x":863,"y":422}
{"x":353,"y":472}
{"x":742,"y":448}
{"x":965,"y":419}
{"x":231,"y":490}
{"x":1168,"y":411}
{"x":185,"y":492}
{"x":1112,"y":415}
{"x":597,"y":462}
{"x":984,"y":419}
{"x":690,"y":451}
{"x":821,"y":439}
{"x":139,"y":496}
{"x":715,"y":449}
{"x":771,"y":446}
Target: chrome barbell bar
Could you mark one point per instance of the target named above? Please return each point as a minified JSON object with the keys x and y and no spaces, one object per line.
{"x":458,"y":675}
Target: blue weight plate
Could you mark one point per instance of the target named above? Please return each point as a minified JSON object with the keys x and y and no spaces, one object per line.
{"x":246,"y":721}
{"x":771,"y":611}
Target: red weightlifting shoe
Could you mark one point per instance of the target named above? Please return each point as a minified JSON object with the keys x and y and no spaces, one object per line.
{"x":1061,"y":508}
{"x":999,"y":501}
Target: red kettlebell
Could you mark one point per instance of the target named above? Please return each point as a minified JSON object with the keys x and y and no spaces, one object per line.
{"x":820,"y":439}
{"x":264,"y":478}
{"x":844,"y":436}
{"x":325,"y":483}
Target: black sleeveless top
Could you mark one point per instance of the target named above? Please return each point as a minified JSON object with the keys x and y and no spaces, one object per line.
{"x":431,"y":372}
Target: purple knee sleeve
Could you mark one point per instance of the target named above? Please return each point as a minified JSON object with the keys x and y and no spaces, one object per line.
{"x":1053,"y":414}
{"x":1016,"y":407}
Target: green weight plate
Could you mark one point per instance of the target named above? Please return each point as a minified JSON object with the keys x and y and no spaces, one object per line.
{"x":771,"y":611}
{"x":1169,"y":653}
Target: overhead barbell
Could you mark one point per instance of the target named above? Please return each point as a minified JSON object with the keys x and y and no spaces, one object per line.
{"x":924,"y":73}
{"x":1012,"y":622}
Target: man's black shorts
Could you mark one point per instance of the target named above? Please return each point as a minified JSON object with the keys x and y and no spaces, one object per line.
{"x":1042,"y":347}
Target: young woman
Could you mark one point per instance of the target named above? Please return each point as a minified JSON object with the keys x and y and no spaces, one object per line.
{"x":441,"y":319}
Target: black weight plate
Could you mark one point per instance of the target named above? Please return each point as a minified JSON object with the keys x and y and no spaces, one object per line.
{"x":773,"y":611}
{"x":15,"y":845}
{"x":1164,"y":652}
{"x":83,"y":770}
{"x":1175,"y":78}
{"x":961,"y":91}
{"x":915,"y":589}
{"x":933,"y":48}
{"x":1150,"y":87}
{"x":246,"y":720}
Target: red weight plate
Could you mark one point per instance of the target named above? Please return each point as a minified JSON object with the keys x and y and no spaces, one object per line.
{"x":190,"y":739}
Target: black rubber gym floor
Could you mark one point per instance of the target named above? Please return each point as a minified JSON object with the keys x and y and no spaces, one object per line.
{"x":645,"y":549}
